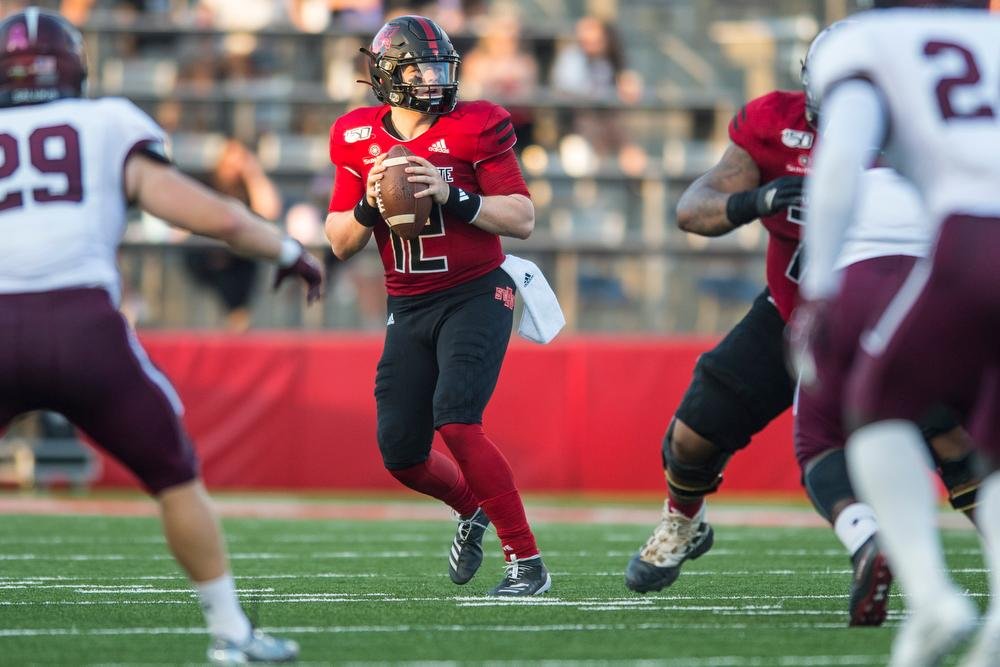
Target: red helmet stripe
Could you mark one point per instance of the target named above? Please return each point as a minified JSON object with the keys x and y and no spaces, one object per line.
{"x":428,"y":32}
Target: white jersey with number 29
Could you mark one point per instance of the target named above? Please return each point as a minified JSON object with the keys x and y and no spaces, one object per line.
{"x":62,"y":196}
{"x":938,"y":72}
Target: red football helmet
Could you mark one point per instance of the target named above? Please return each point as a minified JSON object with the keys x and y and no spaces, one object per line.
{"x":41,"y":58}
{"x":414,"y":66}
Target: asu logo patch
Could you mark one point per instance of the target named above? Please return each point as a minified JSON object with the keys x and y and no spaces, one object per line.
{"x":506,"y":295}
{"x":797,"y":138}
{"x":356,"y":134}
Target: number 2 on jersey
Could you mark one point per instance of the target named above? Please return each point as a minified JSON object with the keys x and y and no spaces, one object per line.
{"x":409,"y":253}
{"x":947,"y":85}
{"x":68,"y":164}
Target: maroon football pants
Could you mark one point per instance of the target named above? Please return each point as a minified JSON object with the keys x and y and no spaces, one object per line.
{"x":72,"y":352}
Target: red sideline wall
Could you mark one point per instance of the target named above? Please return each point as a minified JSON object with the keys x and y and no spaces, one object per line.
{"x":290,"y":411}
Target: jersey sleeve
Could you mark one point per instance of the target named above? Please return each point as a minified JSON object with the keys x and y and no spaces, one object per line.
{"x":497,"y":135}
{"x":501,"y":175}
{"x":131,"y":130}
{"x":848,"y":53}
{"x":348,"y":186}
{"x":745,"y":126}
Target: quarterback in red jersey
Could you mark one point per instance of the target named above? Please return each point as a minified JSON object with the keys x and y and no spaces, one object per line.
{"x":450,"y":304}
{"x":460,"y":146}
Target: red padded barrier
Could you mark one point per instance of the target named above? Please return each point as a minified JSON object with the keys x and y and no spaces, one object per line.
{"x":290,"y":411}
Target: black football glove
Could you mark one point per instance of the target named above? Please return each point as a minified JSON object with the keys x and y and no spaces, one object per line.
{"x":309,"y":269}
{"x":768,"y":199}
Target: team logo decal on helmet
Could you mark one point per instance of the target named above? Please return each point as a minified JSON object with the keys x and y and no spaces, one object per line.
{"x":41,"y":58}
{"x":414,"y":65}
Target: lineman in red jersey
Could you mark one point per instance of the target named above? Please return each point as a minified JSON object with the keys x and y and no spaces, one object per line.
{"x":742,"y":384}
{"x":450,"y":305}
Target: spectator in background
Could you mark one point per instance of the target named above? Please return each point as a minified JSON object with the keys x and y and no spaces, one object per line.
{"x":239,"y":175}
{"x":77,"y":11}
{"x":244,"y":15}
{"x":446,"y":13}
{"x":498,"y":68}
{"x":348,"y":15}
{"x":592,"y":63}
{"x":592,"y":68}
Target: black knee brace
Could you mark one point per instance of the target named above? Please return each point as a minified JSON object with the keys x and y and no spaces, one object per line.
{"x":827,"y":482}
{"x":962,"y":479}
{"x":688,"y":481}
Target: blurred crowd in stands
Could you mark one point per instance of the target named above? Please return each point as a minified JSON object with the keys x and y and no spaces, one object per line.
{"x":617,"y":105}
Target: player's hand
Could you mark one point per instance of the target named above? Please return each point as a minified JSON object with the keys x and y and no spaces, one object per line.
{"x":374,"y":176}
{"x":778,"y":195}
{"x":807,"y":332}
{"x":768,"y":199}
{"x":422,"y":171}
{"x":308,"y":269}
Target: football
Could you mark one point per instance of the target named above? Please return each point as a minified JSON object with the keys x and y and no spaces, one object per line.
{"x":405,"y":214}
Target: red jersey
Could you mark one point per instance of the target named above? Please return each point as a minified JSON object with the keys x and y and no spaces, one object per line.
{"x":774,"y":131}
{"x":464,"y":145}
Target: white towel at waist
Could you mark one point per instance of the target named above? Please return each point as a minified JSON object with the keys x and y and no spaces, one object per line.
{"x":541,"y":318}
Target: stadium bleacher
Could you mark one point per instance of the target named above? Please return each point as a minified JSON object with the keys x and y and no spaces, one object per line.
{"x":605,"y":212}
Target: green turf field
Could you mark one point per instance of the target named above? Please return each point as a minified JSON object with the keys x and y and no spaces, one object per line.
{"x":96,"y":590}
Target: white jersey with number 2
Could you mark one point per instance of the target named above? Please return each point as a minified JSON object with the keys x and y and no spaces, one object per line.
{"x":938,"y":72}
{"x":62,"y":195}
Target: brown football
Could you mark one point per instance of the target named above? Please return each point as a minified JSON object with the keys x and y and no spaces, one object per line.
{"x":405,"y":214}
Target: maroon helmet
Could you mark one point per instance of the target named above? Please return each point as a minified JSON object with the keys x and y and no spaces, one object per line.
{"x":413,"y":65}
{"x":41,"y":58}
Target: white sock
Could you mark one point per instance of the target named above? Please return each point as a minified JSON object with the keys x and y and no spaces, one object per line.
{"x":988,"y":518}
{"x":854,"y":525}
{"x":890,"y":469}
{"x":223,"y":614}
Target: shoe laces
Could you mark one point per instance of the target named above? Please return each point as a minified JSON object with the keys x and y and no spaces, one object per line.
{"x":464,"y":528}
{"x":514,"y":569}
{"x":465,"y":525}
{"x":674,"y":532}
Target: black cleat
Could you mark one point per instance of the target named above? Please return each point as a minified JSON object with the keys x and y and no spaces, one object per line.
{"x":467,"y":549}
{"x":524,"y":577}
{"x":869,"y":595}
{"x":675,"y":540}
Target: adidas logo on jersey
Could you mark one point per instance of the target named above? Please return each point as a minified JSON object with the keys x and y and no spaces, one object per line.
{"x":528,"y":278}
{"x":439,"y":147}
{"x":391,"y":320}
